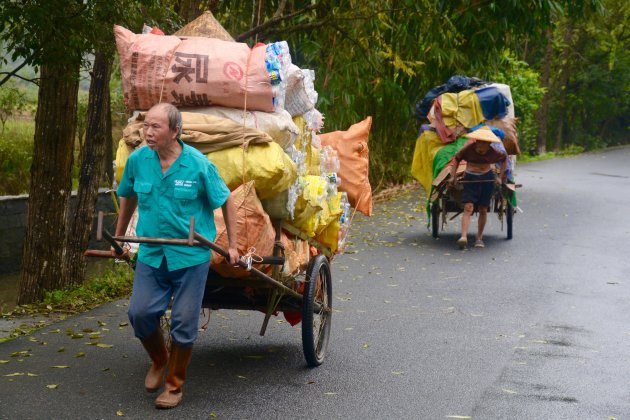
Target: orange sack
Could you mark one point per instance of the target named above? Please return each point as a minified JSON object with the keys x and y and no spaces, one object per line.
{"x":253,"y":229}
{"x":353,"y":152}
{"x":191,"y":72}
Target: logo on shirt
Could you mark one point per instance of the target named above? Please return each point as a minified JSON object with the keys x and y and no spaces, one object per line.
{"x":184,"y":183}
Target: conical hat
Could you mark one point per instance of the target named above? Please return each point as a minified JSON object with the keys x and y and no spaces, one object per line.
{"x":207,"y":26}
{"x":484,"y":134}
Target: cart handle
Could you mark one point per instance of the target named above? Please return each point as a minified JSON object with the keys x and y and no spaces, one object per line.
{"x":194,"y":239}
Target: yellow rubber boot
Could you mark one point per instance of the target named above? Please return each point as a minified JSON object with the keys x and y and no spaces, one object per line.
{"x":156,"y":348}
{"x":177,"y":365}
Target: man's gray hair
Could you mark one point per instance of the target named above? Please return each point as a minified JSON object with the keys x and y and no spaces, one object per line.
{"x":173,"y":116}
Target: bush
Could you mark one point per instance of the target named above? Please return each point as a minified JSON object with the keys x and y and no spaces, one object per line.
{"x":527,"y":94}
{"x":16,"y":155}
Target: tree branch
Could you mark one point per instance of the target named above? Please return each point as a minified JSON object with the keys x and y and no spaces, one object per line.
{"x":280,"y":9}
{"x":274,"y":20}
{"x":35,"y":81}
{"x":12,"y":73}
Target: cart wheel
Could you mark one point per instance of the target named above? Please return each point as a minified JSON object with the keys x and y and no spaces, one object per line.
{"x":435,"y":219}
{"x":316,"y":322}
{"x":509,"y":216}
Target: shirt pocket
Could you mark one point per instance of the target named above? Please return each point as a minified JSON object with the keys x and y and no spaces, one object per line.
{"x":186,"y":199}
{"x":143,"y":191}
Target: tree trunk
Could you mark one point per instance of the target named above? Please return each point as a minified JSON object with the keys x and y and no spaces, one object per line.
{"x":98,"y":136}
{"x":543,"y":112}
{"x":51,"y":181}
{"x":190,"y":9}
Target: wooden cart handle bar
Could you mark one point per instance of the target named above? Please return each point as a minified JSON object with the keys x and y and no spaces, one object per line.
{"x":195,"y":239}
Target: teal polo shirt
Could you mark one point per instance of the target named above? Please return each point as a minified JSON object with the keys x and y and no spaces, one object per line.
{"x":192,"y":186}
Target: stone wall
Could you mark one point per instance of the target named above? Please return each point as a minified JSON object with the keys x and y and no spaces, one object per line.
{"x":13,"y":212}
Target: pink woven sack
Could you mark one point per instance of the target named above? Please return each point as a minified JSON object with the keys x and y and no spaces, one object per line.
{"x":192,"y":72}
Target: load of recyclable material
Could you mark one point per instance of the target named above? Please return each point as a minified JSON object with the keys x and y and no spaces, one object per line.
{"x":456,"y":108}
{"x":253,"y":113}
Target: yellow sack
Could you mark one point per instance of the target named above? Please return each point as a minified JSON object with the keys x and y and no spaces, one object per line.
{"x":122,"y":154}
{"x":427,"y":146}
{"x":331,"y":212}
{"x":266,"y":164}
{"x":329,"y":224}
{"x":329,"y":236}
{"x":463,"y":108}
{"x":309,"y":205}
{"x":303,"y":142}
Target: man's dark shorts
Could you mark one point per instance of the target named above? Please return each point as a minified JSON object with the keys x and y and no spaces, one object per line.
{"x":478,"y":193}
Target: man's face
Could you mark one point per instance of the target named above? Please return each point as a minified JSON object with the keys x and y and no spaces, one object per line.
{"x":156,"y":131}
{"x":482,"y":146}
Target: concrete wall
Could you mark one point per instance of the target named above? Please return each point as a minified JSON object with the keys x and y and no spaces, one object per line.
{"x":13,"y":216}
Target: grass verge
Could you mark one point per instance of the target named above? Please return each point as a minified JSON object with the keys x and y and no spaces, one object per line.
{"x":114,"y":283}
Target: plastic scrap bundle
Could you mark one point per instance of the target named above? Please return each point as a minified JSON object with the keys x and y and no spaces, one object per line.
{"x":253,"y":113}
{"x":457,"y":107}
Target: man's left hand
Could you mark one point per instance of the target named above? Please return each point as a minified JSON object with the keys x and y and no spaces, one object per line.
{"x":233,"y":256}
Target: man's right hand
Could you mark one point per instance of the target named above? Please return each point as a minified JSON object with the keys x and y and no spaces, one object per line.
{"x":122,"y":256}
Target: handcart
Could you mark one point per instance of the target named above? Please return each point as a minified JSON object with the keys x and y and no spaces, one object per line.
{"x":446,"y":198}
{"x":308,"y":293}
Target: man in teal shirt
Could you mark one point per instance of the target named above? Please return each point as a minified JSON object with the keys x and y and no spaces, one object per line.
{"x":170,"y":182}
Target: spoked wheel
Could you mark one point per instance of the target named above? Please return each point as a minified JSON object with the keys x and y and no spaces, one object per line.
{"x":435,"y":219}
{"x":316,"y":310}
{"x":509,"y":217}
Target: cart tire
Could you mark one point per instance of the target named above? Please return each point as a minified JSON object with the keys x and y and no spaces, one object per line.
{"x":316,"y":325}
{"x":435,"y":219}
{"x":509,"y":219}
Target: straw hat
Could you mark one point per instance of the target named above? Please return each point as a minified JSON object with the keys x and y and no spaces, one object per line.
{"x":484,"y":134}
{"x":205,"y":26}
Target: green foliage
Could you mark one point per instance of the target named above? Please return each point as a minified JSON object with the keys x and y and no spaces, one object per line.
{"x":12,"y":100}
{"x":524,"y":83}
{"x":16,"y":154}
{"x":115,"y":283}
{"x":82,"y":107}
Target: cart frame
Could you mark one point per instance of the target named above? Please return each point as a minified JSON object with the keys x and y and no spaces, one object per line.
{"x":446,"y":198}
{"x":308,"y":292}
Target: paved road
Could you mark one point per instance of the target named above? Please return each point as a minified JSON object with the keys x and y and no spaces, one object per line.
{"x":533,"y":328}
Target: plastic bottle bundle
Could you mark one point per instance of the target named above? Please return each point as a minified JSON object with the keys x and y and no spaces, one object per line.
{"x":344,"y":222}
{"x":299,"y":158}
{"x":277,"y":60}
{"x":294,"y":192}
{"x":316,"y":142}
{"x":329,"y":163}
{"x":314,"y":119}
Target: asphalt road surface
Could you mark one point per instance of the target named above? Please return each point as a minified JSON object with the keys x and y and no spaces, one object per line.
{"x":533,"y":328}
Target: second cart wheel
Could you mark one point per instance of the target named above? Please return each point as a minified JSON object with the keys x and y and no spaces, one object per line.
{"x":509,"y":218}
{"x":316,"y":310}
{"x":435,"y":219}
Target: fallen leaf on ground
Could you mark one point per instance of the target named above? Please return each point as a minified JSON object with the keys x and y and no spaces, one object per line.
{"x":52,"y":386}
{"x":60,"y":367}
{"x":120,"y":413}
{"x":103,"y":345}
{"x":80,"y":354}
{"x":15,"y":374}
